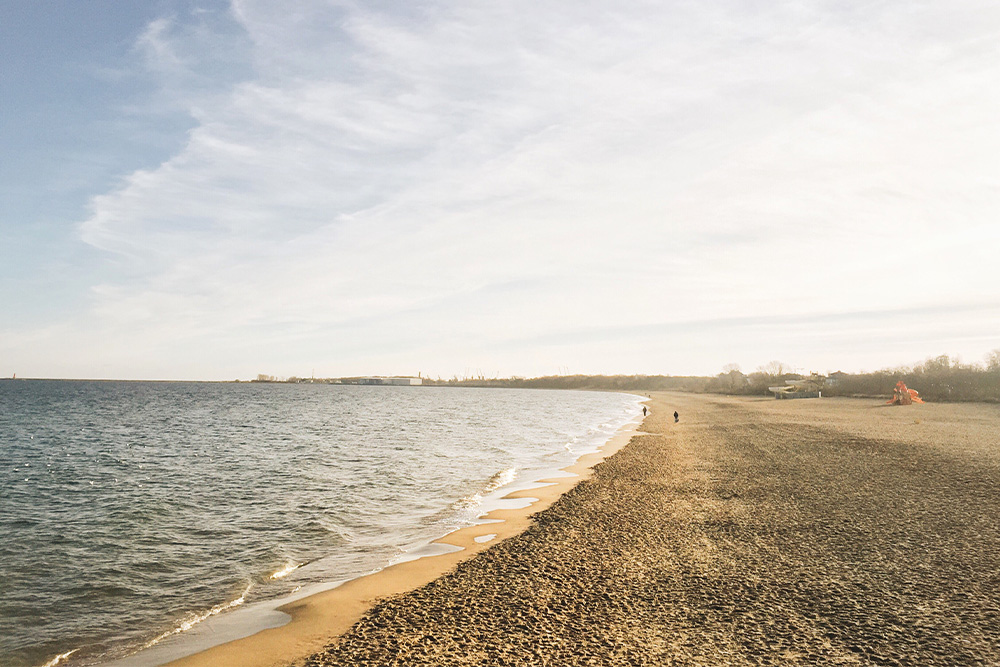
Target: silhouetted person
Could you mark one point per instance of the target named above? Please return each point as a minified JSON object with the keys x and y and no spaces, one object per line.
{"x":677,"y":417}
{"x":644,"y":411}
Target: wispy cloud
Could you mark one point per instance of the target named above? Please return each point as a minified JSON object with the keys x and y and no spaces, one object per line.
{"x":388,"y":188}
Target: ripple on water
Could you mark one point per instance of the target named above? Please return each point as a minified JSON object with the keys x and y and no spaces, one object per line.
{"x":149,"y":507}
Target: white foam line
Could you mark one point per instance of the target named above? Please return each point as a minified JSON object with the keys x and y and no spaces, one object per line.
{"x":59,"y":658}
{"x":285,"y":571}
{"x":191,"y":622}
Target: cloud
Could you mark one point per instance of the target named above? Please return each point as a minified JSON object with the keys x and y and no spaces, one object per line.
{"x":374,"y":182}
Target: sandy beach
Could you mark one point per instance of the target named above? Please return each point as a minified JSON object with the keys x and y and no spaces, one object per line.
{"x":753,"y":532}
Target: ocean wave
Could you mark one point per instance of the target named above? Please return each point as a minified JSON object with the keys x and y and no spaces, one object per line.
{"x":59,"y":658}
{"x":500,"y":479}
{"x":285,"y":571}
{"x":496,"y":481}
{"x":195,"y":619}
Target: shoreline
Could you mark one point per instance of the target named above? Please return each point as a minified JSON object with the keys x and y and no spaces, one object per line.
{"x":317,"y":618}
{"x":832,"y":531}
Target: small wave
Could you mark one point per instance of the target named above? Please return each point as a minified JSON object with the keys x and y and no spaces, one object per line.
{"x":468,"y":501}
{"x":59,"y":658}
{"x":497,"y":481}
{"x":285,"y":571}
{"x":198,"y":618}
{"x":500,"y":479}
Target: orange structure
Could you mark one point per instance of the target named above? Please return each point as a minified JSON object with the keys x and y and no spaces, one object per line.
{"x":903,"y":396}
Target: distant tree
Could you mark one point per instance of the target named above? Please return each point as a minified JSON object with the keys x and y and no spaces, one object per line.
{"x":770,"y":374}
{"x":938,"y":365}
{"x":730,"y":381}
{"x":940,"y":378}
{"x":775,"y":368}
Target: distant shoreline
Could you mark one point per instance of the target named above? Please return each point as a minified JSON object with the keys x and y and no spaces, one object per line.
{"x":938,"y":380}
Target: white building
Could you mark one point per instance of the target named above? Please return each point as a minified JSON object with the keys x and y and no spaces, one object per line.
{"x":404,"y":382}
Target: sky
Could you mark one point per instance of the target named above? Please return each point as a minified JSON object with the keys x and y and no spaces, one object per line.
{"x":211,"y":190}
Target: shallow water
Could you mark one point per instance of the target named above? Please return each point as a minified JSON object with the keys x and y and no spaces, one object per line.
{"x":130,"y":511}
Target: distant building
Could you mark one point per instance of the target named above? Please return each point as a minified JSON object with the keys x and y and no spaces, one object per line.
{"x":836,"y":377}
{"x":809,"y":387}
{"x":398,"y":381}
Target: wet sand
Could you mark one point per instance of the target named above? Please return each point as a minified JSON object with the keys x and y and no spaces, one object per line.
{"x":754,"y":532}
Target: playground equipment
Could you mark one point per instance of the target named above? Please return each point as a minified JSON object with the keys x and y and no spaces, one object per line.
{"x":901,"y":395}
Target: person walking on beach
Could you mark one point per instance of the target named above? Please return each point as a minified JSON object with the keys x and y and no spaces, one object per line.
{"x":644,"y":411}
{"x":677,"y":417}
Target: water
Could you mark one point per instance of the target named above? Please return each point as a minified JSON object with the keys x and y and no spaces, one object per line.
{"x":130,"y":511}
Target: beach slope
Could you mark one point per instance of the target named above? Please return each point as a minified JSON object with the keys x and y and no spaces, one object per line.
{"x":752,"y":532}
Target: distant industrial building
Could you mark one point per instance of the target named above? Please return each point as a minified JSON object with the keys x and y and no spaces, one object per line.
{"x":401,"y":382}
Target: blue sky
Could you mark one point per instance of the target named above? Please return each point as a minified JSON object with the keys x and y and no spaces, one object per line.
{"x":209,"y":190}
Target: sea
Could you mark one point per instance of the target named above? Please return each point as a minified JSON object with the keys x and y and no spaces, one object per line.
{"x":134,"y":514}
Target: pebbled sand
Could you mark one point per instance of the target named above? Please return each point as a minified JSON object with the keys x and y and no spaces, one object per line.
{"x":755,"y":532}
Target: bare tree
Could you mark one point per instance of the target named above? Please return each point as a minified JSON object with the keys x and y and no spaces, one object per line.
{"x":775,"y":368}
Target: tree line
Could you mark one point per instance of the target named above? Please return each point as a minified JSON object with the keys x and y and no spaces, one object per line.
{"x":938,"y":379}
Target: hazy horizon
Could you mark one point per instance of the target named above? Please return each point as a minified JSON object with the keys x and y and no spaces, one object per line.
{"x":769,"y":368}
{"x":209,"y":190}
